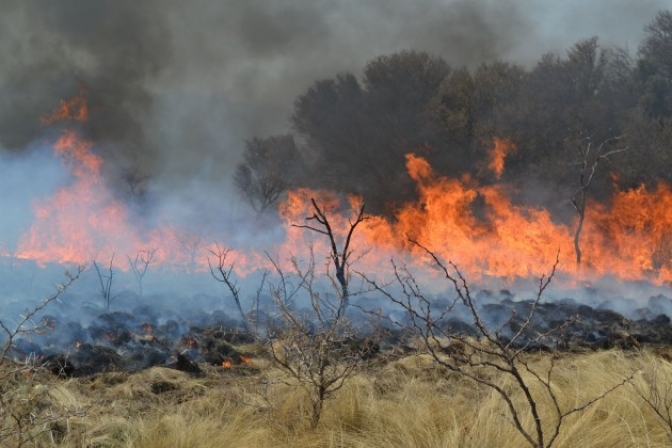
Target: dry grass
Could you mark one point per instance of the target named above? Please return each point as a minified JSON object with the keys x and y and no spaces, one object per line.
{"x":407,"y":403}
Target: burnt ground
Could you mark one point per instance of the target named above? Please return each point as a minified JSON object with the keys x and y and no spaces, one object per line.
{"x":147,"y":336}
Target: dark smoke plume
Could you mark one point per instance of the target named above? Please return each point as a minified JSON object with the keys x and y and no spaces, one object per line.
{"x":176,"y":87}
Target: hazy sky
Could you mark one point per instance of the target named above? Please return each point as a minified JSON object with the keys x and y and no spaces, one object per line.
{"x":178,"y":86}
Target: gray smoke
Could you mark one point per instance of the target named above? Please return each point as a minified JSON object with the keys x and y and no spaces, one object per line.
{"x":175,"y":88}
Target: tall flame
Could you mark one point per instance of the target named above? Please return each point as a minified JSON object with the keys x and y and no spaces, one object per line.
{"x":76,"y":109}
{"x":500,"y":149}
{"x":478,"y":227}
{"x":80,"y":221}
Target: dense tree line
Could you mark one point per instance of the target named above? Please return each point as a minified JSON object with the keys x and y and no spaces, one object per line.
{"x":351,"y":134}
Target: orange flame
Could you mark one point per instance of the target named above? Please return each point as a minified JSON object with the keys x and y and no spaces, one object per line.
{"x":80,"y":222}
{"x":478,"y":227}
{"x":75,"y":109}
{"x":500,"y":150}
{"x":487,"y":235}
{"x":227,"y":364}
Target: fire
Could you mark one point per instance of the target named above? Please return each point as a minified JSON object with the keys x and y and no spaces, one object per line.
{"x":245,"y":359}
{"x":81,"y":221}
{"x":227,"y":364}
{"x":190,"y":342}
{"x":501,"y":148}
{"x":478,"y":227}
{"x":75,"y":109}
{"x":633,"y":238}
{"x":483,"y":232}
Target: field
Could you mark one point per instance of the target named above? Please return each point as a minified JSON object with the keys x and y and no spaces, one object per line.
{"x":403,"y":402}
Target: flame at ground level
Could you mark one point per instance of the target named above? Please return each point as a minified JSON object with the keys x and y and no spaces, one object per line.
{"x":478,"y":228}
{"x":485,"y":234}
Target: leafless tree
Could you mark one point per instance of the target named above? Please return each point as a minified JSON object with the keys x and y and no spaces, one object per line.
{"x":106,"y":281}
{"x":140,"y":264}
{"x":502,"y":350}
{"x":257,"y":300}
{"x":340,"y":258}
{"x":316,"y":346}
{"x":23,"y":414}
{"x":190,"y":243}
{"x":224,"y":274}
{"x":590,"y":156}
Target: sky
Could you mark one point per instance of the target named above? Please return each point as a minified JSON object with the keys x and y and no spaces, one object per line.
{"x":177,"y":87}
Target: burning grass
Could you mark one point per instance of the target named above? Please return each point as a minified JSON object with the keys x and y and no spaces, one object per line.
{"x":407,"y":402}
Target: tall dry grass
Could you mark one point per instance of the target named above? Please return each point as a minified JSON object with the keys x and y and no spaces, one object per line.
{"x":406,"y":403}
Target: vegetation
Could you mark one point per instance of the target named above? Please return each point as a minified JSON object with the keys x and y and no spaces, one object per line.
{"x":27,"y":414}
{"x":351,"y":133}
{"x":496,"y":347}
{"x":409,"y":402}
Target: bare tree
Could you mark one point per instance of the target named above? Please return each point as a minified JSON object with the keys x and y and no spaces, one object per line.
{"x":590,"y":156}
{"x":224,"y":274}
{"x":190,"y":244}
{"x":106,"y":281}
{"x":341,"y":257}
{"x":500,"y":350}
{"x":140,"y":264}
{"x":257,"y":301}
{"x":23,"y":414}
{"x":316,"y":345}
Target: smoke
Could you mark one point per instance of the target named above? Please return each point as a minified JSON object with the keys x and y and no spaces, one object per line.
{"x":37,"y":163}
{"x":175,"y":88}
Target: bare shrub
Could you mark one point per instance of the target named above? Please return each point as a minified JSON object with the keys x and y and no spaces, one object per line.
{"x":655,"y":389}
{"x":26,"y":412}
{"x":317,"y":345}
{"x":493,"y":352}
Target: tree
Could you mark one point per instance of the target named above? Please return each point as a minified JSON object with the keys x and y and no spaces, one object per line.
{"x":358,"y":134}
{"x":654,"y":70}
{"x":140,"y":264}
{"x":328,"y":116}
{"x":106,"y":281}
{"x":590,"y":156}
{"x":315,"y":346}
{"x":474,"y":109}
{"x":656,"y":49}
{"x":224,"y":274}
{"x":340,"y":257}
{"x":269,"y":167}
{"x":588,"y":93}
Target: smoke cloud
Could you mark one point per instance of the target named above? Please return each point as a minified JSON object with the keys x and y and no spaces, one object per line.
{"x":175,"y":88}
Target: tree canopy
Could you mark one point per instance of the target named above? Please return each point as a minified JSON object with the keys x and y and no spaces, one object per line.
{"x":355,"y":132}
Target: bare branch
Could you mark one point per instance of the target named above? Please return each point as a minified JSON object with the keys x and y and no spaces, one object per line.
{"x":340,"y":258}
{"x":470,"y":356}
{"x":225,"y":275}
